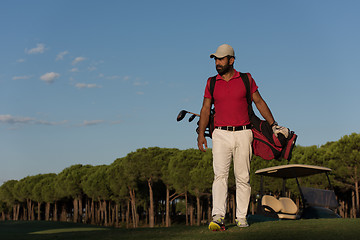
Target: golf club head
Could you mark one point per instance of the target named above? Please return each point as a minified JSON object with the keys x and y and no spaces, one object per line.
{"x":192,"y":117}
{"x":181,"y":115}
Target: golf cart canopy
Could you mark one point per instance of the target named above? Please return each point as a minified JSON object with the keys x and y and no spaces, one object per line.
{"x":292,"y":171}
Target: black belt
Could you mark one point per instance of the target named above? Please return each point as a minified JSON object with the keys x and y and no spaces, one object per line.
{"x":231,"y":128}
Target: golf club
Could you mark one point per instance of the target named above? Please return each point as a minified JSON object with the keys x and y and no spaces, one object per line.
{"x":182,"y":114}
{"x":192,"y":117}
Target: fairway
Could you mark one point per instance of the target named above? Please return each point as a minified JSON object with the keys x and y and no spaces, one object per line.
{"x":300,"y":229}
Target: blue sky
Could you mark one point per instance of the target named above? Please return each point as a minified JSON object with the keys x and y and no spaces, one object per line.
{"x":86,"y":82}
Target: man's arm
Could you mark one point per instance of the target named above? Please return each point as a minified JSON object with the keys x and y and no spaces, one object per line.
{"x":266,"y":113}
{"x":263,"y":107}
{"x":203,"y":122}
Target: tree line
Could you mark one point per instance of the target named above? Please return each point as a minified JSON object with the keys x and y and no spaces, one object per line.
{"x":162,"y":186}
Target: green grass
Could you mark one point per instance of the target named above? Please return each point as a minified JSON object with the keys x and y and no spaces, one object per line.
{"x":280,"y":230}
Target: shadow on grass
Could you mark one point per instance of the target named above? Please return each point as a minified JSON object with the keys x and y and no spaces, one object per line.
{"x":34,"y":229}
{"x":316,"y":229}
{"x":66,"y":230}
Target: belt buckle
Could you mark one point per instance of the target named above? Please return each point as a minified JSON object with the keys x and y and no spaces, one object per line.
{"x":230,"y":128}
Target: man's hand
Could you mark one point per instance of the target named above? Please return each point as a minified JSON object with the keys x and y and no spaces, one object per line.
{"x":201,"y":143}
{"x":279,"y":129}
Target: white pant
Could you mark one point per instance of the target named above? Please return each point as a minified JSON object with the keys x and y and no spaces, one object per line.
{"x":228,"y":145}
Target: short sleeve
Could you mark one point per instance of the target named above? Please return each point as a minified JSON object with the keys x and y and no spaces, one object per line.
{"x":207,"y":93}
{"x":253,"y":86}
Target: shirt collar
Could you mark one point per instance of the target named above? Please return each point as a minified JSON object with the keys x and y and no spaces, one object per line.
{"x":236,"y":75}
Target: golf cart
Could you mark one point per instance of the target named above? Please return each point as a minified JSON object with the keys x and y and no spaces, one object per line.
{"x":315,"y":203}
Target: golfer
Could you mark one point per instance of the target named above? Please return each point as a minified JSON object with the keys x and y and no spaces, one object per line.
{"x":232,"y":137}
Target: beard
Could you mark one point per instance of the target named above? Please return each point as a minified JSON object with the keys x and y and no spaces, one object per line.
{"x":223,"y":69}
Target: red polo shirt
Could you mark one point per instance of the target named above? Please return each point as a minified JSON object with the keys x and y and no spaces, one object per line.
{"x":230,"y":100}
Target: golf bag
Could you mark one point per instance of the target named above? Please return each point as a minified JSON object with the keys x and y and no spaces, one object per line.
{"x":210,"y":127}
{"x":265,"y":144}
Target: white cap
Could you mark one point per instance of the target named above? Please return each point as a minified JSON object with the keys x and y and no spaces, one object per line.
{"x":223,"y":51}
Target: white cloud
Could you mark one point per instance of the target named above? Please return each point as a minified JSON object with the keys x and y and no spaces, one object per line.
{"x":9,"y":119}
{"x":14,"y":120}
{"x":50,"y":123}
{"x":91,"y":122}
{"x":61,"y":55}
{"x":49,"y":77}
{"x":77,"y":60}
{"x":21,"y":77}
{"x":74,"y":70}
{"x":137,"y":83}
{"x":40,"y":48}
{"x":93,"y":65}
{"x":92,"y":68}
{"x":84,"y":85}
{"x":114,"y":77}
{"x":21,"y":60}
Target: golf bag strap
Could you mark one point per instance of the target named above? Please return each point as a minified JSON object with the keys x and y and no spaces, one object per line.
{"x":246,"y":81}
{"x":212,"y":86}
